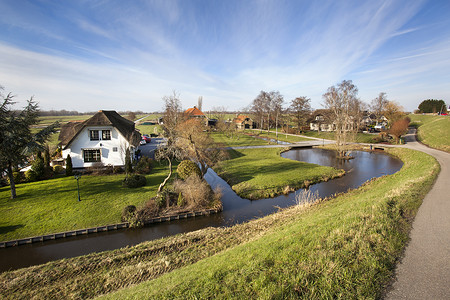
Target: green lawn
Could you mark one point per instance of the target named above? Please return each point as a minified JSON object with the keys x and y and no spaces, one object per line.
{"x":262,"y":173}
{"x":346,"y":247}
{"x":281,"y":136}
{"x":360,"y":137}
{"x":149,"y":129}
{"x":51,"y":206}
{"x":433,"y":131}
{"x":236,"y":140}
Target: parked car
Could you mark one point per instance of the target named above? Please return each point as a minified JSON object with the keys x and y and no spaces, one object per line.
{"x":143,"y":142}
{"x":146,"y":138}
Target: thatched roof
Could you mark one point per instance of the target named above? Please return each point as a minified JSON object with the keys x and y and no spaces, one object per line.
{"x":325,"y":113}
{"x":126,"y":127}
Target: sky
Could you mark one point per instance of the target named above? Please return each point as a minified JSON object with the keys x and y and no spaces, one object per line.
{"x":127,"y":55}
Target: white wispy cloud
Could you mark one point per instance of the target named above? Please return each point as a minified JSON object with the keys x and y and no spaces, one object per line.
{"x":225,"y":51}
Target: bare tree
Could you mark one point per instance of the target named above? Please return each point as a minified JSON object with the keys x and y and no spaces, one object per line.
{"x":300,"y":109}
{"x":172,"y":117}
{"x":393,"y":112}
{"x":378,"y":105}
{"x":399,"y":128}
{"x":257,"y":108}
{"x":276,"y":102}
{"x":131,"y":116}
{"x":340,"y":100}
{"x":194,"y":143}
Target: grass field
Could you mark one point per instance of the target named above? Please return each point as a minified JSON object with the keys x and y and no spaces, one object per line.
{"x":236,"y":140}
{"x":281,"y":136}
{"x":433,"y":131}
{"x":263,"y":173}
{"x":360,"y":137}
{"x":51,"y":206}
{"x":149,"y":129}
{"x":346,"y":247}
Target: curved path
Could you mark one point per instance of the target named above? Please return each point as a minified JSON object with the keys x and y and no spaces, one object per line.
{"x":424,"y":272}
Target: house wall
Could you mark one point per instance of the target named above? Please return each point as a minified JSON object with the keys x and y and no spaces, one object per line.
{"x":323,"y":127}
{"x":108,"y":155}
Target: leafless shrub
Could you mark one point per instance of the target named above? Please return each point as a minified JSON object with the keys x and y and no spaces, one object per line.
{"x":148,"y":211}
{"x":97,"y":168}
{"x":306,"y":197}
{"x":196,"y":191}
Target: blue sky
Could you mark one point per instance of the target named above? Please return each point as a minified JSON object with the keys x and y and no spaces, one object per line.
{"x":126,"y":55}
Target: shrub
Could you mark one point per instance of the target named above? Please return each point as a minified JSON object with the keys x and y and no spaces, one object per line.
{"x":134,"y":181}
{"x":117,"y":170}
{"x":180,"y":201}
{"x":128,"y":166}
{"x":187,"y":168}
{"x":31,"y":175}
{"x":108,"y":170}
{"x":150,"y":210}
{"x":160,"y":200}
{"x":128,"y":213}
{"x":144,"y":165}
{"x":98,"y":168}
{"x":69,"y":170}
{"x":58,"y":169}
{"x":17,"y":177}
{"x":195,"y":191}
{"x":39,"y":168}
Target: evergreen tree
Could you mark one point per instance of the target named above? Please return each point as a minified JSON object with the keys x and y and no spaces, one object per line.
{"x":128,"y":166}
{"x":69,"y":168}
{"x":38,"y":167}
{"x":47,"y":156}
{"x":17,"y":141}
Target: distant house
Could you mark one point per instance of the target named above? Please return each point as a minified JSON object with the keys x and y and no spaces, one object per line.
{"x":194,"y":112}
{"x":321,"y":120}
{"x":244,"y":122}
{"x":103,"y":138}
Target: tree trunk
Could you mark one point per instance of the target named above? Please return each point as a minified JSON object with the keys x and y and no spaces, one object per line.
{"x":11,"y":181}
{"x":161,"y":186}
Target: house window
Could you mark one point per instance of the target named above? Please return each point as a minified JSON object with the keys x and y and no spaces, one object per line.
{"x":92,"y":155}
{"x":106,"y":134}
{"x":94,"y":135}
{"x":114,"y":149}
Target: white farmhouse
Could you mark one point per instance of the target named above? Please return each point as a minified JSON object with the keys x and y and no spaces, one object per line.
{"x":103,"y":138}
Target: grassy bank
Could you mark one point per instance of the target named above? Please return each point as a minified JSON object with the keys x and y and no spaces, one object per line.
{"x":51,"y":206}
{"x":262,"y":173}
{"x":343,"y":248}
{"x":433,"y":131}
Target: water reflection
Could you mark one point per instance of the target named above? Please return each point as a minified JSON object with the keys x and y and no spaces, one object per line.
{"x":235,"y":210}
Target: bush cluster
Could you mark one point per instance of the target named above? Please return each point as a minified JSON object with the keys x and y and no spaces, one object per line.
{"x":144,"y":165}
{"x":187,"y":168}
{"x":58,"y":169}
{"x":134,"y":181}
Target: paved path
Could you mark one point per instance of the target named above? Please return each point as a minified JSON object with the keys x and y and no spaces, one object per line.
{"x":424,"y":272}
